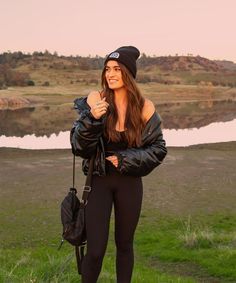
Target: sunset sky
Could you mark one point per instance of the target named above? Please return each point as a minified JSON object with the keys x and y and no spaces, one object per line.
{"x":97,"y":27}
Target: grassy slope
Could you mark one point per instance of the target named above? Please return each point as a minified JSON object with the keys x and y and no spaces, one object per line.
{"x":182,"y":69}
{"x":72,"y":80}
{"x":186,"y":231}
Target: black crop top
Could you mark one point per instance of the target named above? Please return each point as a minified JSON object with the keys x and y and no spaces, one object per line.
{"x":111,"y":147}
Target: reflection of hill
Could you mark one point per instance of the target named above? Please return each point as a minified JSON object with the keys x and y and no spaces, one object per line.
{"x":36,"y":120}
{"x":13,"y":102}
{"x":47,"y":120}
{"x":196,"y":114}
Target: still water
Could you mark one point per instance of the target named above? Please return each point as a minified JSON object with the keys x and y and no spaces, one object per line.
{"x":214,"y":132}
{"x":46,"y":120}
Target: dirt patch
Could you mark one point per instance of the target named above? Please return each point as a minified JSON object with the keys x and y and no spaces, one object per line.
{"x":192,"y":180}
{"x":198,"y":179}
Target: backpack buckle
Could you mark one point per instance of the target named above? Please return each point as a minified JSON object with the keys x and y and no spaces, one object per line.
{"x":87,"y":189}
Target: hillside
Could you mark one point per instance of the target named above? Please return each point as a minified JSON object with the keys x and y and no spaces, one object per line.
{"x":44,"y":69}
{"x":228,"y":65}
{"x":180,"y":63}
{"x":187,"y":70}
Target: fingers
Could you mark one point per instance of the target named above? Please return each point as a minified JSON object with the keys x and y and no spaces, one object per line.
{"x":102,"y":103}
{"x":113,"y":159}
{"x":99,"y":108}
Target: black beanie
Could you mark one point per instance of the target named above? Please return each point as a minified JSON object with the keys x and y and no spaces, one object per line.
{"x":126,"y":55}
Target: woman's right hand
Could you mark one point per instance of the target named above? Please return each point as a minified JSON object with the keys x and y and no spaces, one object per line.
{"x":99,"y":108}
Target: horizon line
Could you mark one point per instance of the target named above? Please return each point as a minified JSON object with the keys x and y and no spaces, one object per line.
{"x":94,"y":56}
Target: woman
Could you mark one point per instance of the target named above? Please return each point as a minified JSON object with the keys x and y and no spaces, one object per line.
{"x":123,"y":131}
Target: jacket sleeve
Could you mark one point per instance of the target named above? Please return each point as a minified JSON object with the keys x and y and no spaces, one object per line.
{"x":85,"y":134}
{"x":141,"y":161}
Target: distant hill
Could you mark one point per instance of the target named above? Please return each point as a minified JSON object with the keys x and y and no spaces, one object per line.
{"x":227,"y":65}
{"x":180,"y":63}
{"x":44,"y":68}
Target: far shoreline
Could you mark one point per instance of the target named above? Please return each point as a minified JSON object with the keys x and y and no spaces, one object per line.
{"x":229,"y":145}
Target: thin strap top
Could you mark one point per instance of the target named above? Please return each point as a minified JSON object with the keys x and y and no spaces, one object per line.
{"x":111,"y":147}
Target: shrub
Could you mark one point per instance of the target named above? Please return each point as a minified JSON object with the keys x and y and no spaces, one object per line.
{"x":143,"y":78}
{"x":46,"y":83}
{"x":31,"y":83}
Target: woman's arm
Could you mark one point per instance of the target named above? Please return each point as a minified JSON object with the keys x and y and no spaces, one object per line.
{"x":141,"y":161}
{"x":87,"y":130}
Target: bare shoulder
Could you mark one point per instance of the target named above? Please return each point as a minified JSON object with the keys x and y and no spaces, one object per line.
{"x":93,"y":97}
{"x":148,"y":109}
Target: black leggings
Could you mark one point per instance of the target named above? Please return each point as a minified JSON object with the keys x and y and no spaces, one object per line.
{"x":126,"y":194}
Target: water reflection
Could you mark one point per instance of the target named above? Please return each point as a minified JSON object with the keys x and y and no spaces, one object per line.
{"x":182,"y":115}
{"x":215,"y":132}
{"x":40,"y":120}
{"x":46,"y":120}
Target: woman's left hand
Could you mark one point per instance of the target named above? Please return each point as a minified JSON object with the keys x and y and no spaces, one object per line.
{"x":113,"y":159}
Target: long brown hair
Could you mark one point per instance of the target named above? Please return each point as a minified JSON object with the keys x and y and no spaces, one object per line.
{"x":134,"y":123}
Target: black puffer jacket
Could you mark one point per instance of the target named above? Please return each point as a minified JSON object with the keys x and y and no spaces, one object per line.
{"x":87,"y":139}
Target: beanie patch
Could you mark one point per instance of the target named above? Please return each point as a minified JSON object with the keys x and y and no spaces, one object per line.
{"x":115,"y":55}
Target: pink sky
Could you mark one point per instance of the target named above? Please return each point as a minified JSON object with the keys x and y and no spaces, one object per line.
{"x":83,"y":27}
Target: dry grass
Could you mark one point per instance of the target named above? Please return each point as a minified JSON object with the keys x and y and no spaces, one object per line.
{"x":156,"y":92}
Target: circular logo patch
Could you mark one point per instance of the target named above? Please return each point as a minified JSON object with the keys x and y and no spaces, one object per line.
{"x":114,"y":55}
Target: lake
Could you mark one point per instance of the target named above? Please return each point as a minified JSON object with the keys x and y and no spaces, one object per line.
{"x":46,"y":120}
{"x":212,"y":133}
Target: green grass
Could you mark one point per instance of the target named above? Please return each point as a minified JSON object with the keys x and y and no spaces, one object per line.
{"x":164,"y":252}
{"x":49,"y":265}
{"x":208,"y":242}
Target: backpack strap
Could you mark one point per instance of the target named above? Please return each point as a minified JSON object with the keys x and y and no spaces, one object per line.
{"x":73,"y":181}
{"x":79,"y":250}
{"x":88,"y":182}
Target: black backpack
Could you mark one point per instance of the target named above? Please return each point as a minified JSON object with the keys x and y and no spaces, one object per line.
{"x":73,"y":216}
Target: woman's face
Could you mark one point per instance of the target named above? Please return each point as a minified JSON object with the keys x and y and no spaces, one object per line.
{"x":113,"y":75}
